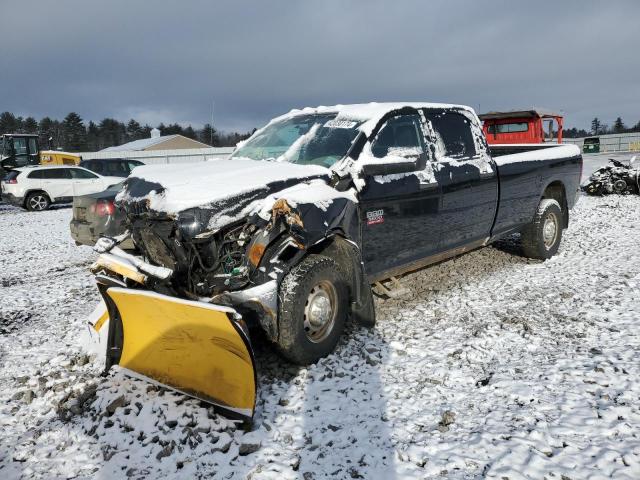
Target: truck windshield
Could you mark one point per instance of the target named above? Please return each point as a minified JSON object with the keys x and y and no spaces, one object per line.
{"x":318,"y":139}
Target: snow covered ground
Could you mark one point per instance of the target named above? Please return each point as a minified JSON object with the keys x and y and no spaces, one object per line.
{"x":493,"y":366}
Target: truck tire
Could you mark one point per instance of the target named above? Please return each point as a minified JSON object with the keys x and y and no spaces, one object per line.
{"x":313,"y":307}
{"x":37,"y":202}
{"x":541,"y":238}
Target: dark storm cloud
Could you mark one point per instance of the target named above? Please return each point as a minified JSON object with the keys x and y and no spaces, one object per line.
{"x":167,"y":61}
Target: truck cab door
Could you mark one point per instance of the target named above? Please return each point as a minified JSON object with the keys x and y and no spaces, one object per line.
{"x":398,"y":212}
{"x":34,"y":151}
{"x":20,"y":152}
{"x":467,"y":176}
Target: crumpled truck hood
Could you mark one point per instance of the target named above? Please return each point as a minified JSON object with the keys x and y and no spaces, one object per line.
{"x":222,"y":185}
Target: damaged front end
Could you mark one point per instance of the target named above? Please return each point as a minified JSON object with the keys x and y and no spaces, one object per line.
{"x":179,"y":313}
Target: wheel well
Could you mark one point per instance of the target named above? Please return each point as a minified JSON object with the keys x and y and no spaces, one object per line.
{"x":556,"y":191}
{"x":31,"y":192}
{"x":343,"y":252}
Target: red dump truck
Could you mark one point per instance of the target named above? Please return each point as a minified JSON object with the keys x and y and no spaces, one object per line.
{"x":522,"y":126}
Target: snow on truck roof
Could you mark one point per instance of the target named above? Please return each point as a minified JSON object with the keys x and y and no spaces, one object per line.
{"x":368,"y":113}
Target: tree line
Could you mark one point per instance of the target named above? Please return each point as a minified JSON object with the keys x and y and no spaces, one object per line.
{"x":600,"y":128}
{"x":73,"y":135}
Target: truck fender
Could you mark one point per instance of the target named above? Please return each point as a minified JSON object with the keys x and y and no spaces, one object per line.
{"x":347,"y":253}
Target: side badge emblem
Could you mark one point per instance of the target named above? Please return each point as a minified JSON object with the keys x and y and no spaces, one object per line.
{"x":375,"y":216}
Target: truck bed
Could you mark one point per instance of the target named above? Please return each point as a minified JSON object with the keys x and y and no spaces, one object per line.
{"x":524,"y":172}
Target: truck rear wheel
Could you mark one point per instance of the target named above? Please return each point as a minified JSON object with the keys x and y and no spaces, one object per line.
{"x":314,"y":301}
{"x":541,"y":238}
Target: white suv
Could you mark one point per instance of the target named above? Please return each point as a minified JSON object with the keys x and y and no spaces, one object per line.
{"x":36,"y":188}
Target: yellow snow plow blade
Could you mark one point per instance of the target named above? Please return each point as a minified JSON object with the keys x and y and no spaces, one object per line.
{"x":193,"y":347}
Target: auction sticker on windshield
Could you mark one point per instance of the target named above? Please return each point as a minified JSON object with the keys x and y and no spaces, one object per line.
{"x":340,"y":124}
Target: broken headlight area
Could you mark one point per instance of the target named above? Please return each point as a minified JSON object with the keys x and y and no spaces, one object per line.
{"x":205,"y":262}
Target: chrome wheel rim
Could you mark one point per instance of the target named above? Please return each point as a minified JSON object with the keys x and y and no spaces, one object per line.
{"x":550,"y":230}
{"x":38,"y":202}
{"x":320,"y":311}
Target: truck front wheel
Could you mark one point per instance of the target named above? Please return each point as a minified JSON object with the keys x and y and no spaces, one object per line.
{"x":541,"y":238}
{"x":314,"y":301}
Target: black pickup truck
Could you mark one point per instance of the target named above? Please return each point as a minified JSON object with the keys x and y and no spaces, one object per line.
{"x":291,"y":231}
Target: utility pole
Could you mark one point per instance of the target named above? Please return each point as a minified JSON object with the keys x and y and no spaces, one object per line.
{"x":211,"y":131}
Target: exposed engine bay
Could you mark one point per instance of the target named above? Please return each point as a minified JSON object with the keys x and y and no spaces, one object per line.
{"x":204,"y":262}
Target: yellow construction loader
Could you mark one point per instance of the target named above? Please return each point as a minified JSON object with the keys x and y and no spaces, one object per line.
{"x":21,"y":149}
{"x":55,"y":157}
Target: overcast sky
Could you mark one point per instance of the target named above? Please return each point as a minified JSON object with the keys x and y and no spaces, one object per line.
{"x":166,"y":61}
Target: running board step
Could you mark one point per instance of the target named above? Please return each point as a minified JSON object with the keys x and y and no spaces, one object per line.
{"x":395,"y":290}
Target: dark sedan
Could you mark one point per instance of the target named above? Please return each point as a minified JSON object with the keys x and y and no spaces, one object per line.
{"x":96,"y":215}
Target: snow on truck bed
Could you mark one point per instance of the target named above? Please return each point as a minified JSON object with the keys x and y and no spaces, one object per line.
{"x":551,"y":152}
{"x":493,"y":366}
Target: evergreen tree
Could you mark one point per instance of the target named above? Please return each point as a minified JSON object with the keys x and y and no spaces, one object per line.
{"x":75,"y":135}
{"x":172,"y":129}
{"x":50,"y":133}
{"x":93,"y":137}
{"x":8,"y":123}
{"x":618,"y":126}
{"x":596,"y":126}
{"x":134,"y":130}
{"x":209,"y":135}
{"x":189,"y":132}
{"x":112,"y":133}
{"x":146,"y":131}
{"x":30,"y":125}
{"x":20,"y":125}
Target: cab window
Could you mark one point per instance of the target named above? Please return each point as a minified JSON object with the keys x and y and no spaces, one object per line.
{"x":399,"y":135}
{"x":20,"y":146}
{"x":508,"y":128}
{"x":82,"y":174}
{"x":33,"y":146}
{"x":454,"y":133}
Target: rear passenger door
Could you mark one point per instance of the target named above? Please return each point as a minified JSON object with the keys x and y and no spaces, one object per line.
{"x":398,"y":211}
{"x":57,"y":183}
{"x":467,"y":176}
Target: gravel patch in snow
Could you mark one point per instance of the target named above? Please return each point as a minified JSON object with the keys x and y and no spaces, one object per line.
{"x":493,"y":365}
